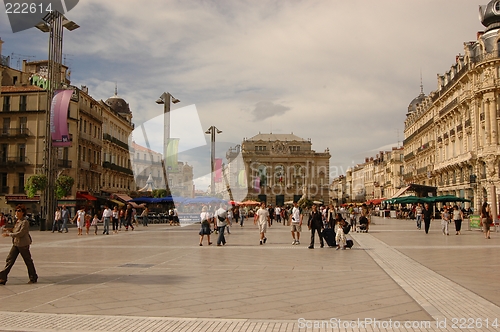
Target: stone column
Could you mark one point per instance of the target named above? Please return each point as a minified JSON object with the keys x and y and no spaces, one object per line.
{"x":487,"y":121}
{"x":493,"y":122}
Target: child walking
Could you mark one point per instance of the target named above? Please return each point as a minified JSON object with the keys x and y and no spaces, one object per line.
{"x":339,"y":233}
{"x":94,"y":223}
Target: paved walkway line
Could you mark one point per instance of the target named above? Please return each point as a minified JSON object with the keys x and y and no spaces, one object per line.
{"x":439,"y":296}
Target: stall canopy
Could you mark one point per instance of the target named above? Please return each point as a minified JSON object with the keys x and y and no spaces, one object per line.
{"x":85,"y":196}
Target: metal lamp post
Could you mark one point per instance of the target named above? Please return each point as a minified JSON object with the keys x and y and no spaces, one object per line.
{"x":53,"y":23}
{"x":212,"y":130}
{"x":165,"y":99}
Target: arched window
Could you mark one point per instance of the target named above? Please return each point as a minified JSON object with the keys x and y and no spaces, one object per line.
{"x":279,"y":175}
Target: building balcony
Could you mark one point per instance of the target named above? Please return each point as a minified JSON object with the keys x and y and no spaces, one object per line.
{"x":117,"y":168}
{"x":91,"y":138}
{"x":14,"y":161}
{"x":422,"y":170}
{"x":15,"y":132}
{"x":114,"y":140}
{"x":63,"y":163}
{"x":18,"y":190}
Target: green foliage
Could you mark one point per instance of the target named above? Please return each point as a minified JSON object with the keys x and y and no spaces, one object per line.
{"x":159,"y":193}
{"x":63,"y":187}
{"x":35,"y":183}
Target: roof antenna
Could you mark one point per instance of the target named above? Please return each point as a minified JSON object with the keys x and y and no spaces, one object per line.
{"x":421,"y":84}
{"x":116,"y":88}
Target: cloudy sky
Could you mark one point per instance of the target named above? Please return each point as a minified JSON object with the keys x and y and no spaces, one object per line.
{"x":341,"y":73}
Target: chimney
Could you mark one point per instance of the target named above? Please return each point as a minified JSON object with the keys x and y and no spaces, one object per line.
{"x":479,"y":34}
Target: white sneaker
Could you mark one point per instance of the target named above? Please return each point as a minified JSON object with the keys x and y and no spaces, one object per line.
{"x":294,"y":242}
{"x":298,"y":242}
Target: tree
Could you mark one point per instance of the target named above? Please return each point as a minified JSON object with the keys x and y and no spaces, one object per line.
{"x":35,"y":183}
{"x":64,"y":184}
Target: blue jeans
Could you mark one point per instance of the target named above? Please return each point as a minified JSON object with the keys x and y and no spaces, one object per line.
{"x":64,"y":225}
{"x":106,"y":225}
{"x":221,"y":239}
{"x":419,"y":221}
{"x":55,"y":226}
{"x":145,"y":221}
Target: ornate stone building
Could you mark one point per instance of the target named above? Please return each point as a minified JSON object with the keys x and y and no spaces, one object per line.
{"x":280,"y":167}
{"x":451,"y":135}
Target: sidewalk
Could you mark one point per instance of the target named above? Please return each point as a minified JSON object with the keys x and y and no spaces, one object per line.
{"x":159,"y":279}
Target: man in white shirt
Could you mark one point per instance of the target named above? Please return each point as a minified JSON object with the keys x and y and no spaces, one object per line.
{"x":221,"y":219}
{"x":277,"y":213}
{"x":106,"y":217}
{"x":296,"y":222}
{"x":264,"y":220}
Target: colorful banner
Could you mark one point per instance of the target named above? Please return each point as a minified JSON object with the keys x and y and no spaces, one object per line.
{"x":256,"y":184}
{"x":172,"y":154}
{"x":59,"y":118}
{"x":218,"y":170}
{"x":475,"y":220}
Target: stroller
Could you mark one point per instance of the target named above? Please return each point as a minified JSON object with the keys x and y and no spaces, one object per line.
{"x":363,"y":225}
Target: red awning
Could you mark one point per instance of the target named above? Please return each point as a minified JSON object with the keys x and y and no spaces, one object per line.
{"x":85,"y":196}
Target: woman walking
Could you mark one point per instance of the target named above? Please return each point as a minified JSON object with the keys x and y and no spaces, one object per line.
{"x":205,"y":225}
{"x":458,"y":216}
{"x":486,"y":219}
{"x":21,"y":241}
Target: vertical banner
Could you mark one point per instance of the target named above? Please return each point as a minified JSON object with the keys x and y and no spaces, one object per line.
{"x":256,"y":184}
{"x":218,"y":169}
{"x":242,"y":179}
{"x":59,"y":118}
{"x":172,"y":154}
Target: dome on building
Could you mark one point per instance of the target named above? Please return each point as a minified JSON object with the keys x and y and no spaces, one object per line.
{"x":415,"y":103}
{"x":490,"y":15}
{"x":118,"y":104}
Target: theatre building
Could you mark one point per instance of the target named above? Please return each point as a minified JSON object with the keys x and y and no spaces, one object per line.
{"x":284,"y":167}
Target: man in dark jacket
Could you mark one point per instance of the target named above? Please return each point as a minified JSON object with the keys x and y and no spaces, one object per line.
{"x":427,"y":214}
{"x":315,"y":224}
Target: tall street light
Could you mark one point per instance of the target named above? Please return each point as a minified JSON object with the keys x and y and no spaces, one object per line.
{"x":165,"y":99}
{"x":54,"y":22}
{"x":212,"y":130}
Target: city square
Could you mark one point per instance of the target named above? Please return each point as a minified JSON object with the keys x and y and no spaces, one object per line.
{"x":159,"y":279}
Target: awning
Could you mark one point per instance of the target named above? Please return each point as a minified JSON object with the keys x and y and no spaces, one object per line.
{"x":120,"y":204}
{"x":401,"y":191}
{"x":85,"y":196}
{"x":122,"y":197}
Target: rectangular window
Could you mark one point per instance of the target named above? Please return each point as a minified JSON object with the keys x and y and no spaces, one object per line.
{"x":6,"y":104}
{"x":6,"y":126}
{"x":4,"y":151}
{"x":23,"y":103}
{"x":21,"y":149}
{"x":20,"y":183}
{"x":3,"y":183}
{"x":23,"y":124}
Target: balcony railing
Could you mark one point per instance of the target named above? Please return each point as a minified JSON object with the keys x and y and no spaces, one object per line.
{"x":14,"y":161}
{"x":114,"y":140}
{"x":13,"y":132}
{"x":117,"y":168}
{"x":409,"y":155}
{"x":18,"y":190}
{"x":63,"y":163}
{"x":422,"y":170}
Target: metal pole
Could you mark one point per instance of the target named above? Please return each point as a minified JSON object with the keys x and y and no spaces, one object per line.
{"x":212,"y":178}
{"x":166,"y":133}
{"x":54,"y":21}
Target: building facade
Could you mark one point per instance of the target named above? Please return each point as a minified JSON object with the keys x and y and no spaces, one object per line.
{"x":451,"y":135}
{"x":283,"y":167}
{"x":23,"y":115}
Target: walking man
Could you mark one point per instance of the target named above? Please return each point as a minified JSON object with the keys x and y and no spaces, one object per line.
{"x":222,"y":220}
{"x":296,"y":223}
{"x":65,"y":219}
{"x":264,"y":221}
{"x":427,"y":214}
{"x":106,"y":217}
{"x":315,"y":224}
{"x":418,"y":215}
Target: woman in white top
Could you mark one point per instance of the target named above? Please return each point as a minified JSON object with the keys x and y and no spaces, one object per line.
{"x":57,"y":220}
{"x":80,"y":220}
{"x":458,"y":216}
{"x":205,"y":218}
